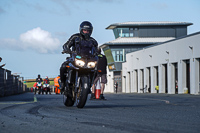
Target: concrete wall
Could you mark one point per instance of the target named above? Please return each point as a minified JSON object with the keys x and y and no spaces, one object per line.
{"x":10,"y":84}
{"x":160,"y":60}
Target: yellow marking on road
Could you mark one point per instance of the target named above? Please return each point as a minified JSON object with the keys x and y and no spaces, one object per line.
{"x":34,"y":101}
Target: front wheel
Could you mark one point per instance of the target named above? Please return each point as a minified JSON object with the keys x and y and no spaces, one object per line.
{"x":81,"y":96}
{"x":39,"y":88}
{"x":35,"y":90}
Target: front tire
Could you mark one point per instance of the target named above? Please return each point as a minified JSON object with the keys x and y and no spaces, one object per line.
{"x":39,"y":90}
{"x":81,"y":96}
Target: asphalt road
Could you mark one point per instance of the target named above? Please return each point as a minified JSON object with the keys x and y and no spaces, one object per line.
{"x":120,"y":113}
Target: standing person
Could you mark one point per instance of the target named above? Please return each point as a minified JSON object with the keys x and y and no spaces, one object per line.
{"x":59,"y":82}
{"x":56,"y":84}
{"x":176,"y":85}
{"x":3,"y":64}
{"x":116,"y":86}
{"x":101,"y":74}
{"x":80,"y":43}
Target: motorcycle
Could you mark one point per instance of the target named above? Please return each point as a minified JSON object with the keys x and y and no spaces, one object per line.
{"x":46,"y":88}
{"x":79,"y":78}
{"x":39,"y":88}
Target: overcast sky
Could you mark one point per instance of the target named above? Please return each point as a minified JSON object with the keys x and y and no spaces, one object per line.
{"x":32,"y":32}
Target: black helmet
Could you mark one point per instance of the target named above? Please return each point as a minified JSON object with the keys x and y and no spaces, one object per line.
{"x":86,"y":25}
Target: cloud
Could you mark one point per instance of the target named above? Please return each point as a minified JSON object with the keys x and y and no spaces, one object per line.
{"x":36,"y":39}
{"x":39,"y":40}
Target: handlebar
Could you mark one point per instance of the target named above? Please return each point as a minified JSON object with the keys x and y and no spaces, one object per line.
{"x":68,"y":52}
{"x":63,"y":52}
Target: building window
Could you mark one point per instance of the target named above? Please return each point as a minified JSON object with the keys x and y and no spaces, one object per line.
{"x":131,"y":32}
{"x":123,"y":32}
{"x":117,"y":55}
{"x":127,"y":32}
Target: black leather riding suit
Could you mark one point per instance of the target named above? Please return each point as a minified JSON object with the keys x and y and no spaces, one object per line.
{"x":79,"y":45}
{"x":39,"y":80}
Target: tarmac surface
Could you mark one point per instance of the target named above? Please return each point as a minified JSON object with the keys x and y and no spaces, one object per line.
{"x":121,"y":113}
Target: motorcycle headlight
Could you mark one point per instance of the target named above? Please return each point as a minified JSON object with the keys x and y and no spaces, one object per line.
{"x":79,"y":63}
{"x":91,"y":64}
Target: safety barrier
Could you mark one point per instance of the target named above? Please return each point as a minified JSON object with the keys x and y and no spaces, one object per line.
{"x":11,"y":84}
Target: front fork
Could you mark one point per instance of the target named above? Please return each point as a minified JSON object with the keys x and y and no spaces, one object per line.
{"x":77,"y":81}
{"x":68,"y":80}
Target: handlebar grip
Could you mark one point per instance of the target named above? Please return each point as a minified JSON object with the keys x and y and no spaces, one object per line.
{"x":64,"y":52}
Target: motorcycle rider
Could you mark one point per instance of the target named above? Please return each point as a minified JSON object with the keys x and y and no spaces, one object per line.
{"x":81,"y":43}
{"x":46,"y":80}
{"x":38,"y":79}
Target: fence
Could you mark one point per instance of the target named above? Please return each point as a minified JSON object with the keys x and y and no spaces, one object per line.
{"x":11,"y":84}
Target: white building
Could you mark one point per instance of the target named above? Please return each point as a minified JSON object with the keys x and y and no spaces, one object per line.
{"x":162,"y":65}
{"x":133,"y":36}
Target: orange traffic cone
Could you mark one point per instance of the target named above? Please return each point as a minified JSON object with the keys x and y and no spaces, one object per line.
{"x":98,"y":90}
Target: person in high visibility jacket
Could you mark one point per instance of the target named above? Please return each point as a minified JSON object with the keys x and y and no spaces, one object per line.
{"x":56,"y":84}
{"x":157,"y":88}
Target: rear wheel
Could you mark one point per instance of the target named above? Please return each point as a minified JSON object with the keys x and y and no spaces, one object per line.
{"x":81,"y":96}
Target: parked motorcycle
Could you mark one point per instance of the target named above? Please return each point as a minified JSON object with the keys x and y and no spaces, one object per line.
{"x":46,"y":88}
{"x":80,"y":76}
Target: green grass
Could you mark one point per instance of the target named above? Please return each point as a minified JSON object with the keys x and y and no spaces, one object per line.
{"x":30,"y":84}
